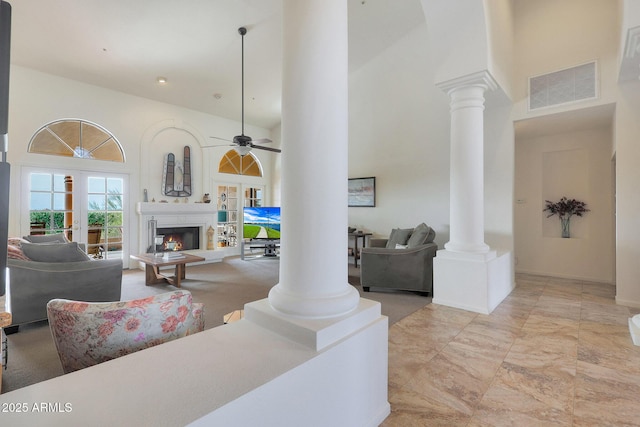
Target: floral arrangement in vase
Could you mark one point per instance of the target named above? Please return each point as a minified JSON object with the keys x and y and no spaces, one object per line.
{"x":565,"y":208}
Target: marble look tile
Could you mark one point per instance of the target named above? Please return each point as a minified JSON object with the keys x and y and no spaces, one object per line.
{"x":508,"y":313}
{"x":493,"y":339}
{"x":606,"y":396}
{"x":531,"y":278}
{"x":417,"y":409}
{"x":416,"y":337}
{"x":554,"y":357}
{"x":405,"y":361}
{"x":442,"y":313}
{"x":604,"y":290}
{"x":570,"y":291}
{"x":414,"y":341}
{"x":521,"y":299}
{"x":605,"y":313}
{"x":609,"y":346}
{"x":422,"y":419}
{"x":457,"y":377}
{"x":553,"y":306}
{"x":524,"y":396}
{"x":551,"y":325}
{"x":555,"y":352}
{"x":564,"y":281}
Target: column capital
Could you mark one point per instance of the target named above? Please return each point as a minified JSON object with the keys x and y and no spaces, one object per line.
{"x":482,"y":79}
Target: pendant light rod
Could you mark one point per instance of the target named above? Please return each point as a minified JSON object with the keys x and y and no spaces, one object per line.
{"x":242,"y":31}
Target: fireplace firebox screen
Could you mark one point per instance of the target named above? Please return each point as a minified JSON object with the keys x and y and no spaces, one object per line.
{"x":179,"y":238}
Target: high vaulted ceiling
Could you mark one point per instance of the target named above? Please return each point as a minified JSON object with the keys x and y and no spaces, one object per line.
{"x":125,"y":45}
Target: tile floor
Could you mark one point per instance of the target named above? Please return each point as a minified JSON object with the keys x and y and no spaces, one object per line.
{"x":554,"y":353}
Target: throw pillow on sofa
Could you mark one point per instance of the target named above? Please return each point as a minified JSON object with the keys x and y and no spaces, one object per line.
{"x":420,"y":235}
{"x":54,"y":252}
{"x":398,"y":236}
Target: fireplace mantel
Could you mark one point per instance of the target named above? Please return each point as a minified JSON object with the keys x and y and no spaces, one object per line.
{"x":148,"y":208}
{"x":202,"y":215}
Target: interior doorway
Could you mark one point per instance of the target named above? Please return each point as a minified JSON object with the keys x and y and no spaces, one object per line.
{"x":565,"y":155}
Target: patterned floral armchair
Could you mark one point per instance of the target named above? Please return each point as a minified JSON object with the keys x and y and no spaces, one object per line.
{"x":88,"y":333}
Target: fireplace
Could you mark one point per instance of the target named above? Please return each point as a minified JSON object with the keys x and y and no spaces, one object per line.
{"x":189,"y":223}
{"x":179,"y":238}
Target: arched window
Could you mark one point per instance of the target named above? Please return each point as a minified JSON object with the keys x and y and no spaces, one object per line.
{"x":76,"y":138}
{"x":234,"y":163}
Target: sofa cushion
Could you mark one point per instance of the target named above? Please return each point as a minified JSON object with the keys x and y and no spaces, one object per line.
{"x":398,"y":236}
{"x":421,"y":234}
{"x":54,"y":252}
{"x":47,"y":238}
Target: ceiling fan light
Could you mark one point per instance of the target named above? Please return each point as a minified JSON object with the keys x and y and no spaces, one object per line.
{"x":243,"y":150}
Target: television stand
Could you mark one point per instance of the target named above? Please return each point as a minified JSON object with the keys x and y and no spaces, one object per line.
{"x":257,"y":248}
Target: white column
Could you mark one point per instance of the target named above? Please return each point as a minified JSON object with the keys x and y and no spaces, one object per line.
{"x":313,"y":269}
{"x":467,"y":162}
{"x":467,"y":274}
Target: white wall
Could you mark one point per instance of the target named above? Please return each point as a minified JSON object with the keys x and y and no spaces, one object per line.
{"x":499,"y":21}
{"x":399,"y":133}
{"x":37,"y":98}
{"x":458,"y":36}
{"x":576,"y":165}
{"x":627,"y":129}
{"x":551,"y":35}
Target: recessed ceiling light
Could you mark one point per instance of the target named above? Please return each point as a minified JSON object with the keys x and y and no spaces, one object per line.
{"x":161,"y":80}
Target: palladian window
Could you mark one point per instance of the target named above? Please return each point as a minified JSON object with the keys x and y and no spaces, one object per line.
{"x":76,"y":138}
{"x":234,"y":163}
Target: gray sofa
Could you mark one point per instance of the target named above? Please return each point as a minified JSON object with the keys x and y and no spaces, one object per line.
{"x":404,"y":261}
{"x":35,"y":283}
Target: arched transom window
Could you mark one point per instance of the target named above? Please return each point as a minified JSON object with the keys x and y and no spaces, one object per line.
{"x":76,"y":138}
{"x":234,"y":163}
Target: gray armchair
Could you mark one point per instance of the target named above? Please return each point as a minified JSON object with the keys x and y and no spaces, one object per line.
{"x":404,"y":261}
{"x":57,"y":270}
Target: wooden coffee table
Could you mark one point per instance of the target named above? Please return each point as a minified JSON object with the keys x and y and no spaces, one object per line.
{"x":153,"y":263}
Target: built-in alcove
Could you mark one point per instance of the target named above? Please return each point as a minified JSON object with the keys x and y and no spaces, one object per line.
{"x":565,"y":173}
{"x":565,"y":154}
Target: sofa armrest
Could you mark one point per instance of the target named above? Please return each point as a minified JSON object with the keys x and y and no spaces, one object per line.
{"x":34,"y":283}
{"x":408,"y":269}
{"x":377,"y":243}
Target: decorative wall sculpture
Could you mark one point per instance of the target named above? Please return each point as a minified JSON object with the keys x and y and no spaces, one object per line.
{"x":176,"y":179}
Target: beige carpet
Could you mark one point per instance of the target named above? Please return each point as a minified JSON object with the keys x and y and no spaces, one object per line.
{"x":222,"y":287}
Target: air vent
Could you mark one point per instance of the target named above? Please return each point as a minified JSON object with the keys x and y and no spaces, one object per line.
{"x":562,"y":87}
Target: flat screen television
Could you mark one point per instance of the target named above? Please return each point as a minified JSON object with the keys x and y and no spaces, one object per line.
{"x":261,"y":222}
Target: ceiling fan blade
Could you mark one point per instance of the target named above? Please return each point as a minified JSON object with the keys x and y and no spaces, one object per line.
{"x":275,"y":150}
{"x":261,"y":141}
{"x":221,"y":139}
{"x":219,"y":145}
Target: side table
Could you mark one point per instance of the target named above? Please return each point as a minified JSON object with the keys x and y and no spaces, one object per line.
{"x":356,"y":252}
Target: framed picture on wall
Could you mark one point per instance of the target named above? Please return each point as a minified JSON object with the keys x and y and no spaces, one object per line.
{"x":362,"y":192}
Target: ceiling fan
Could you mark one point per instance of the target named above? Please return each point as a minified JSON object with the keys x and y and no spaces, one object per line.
{"x":244,"y":143}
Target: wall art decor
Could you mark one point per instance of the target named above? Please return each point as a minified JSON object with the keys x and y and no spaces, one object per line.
{"x":362,"y":192}
{"x":176,"y":178}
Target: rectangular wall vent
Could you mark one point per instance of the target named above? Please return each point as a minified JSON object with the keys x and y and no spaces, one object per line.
{"x":564,"y":86}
